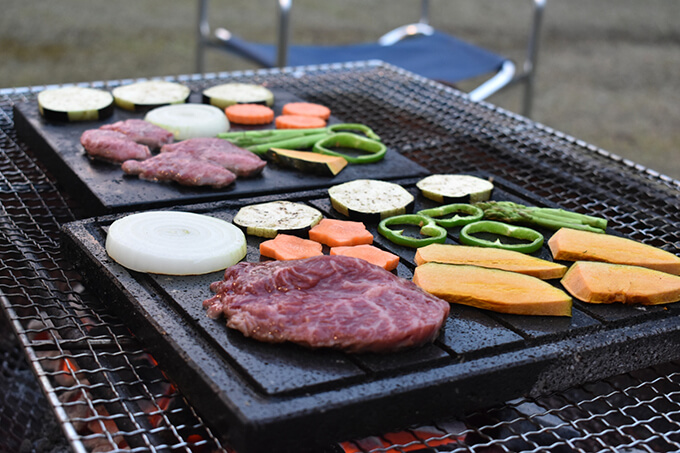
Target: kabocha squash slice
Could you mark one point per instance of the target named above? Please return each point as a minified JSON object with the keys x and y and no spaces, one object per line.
{"x":605,"y":283}
{"x":493,"y":258}
{"x":492,"y":289}
{"x":307,"y":161}
{"x":574,"y":245}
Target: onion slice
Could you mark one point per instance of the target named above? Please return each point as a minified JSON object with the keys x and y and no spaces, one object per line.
{"x":175,"y":243}
{"x":189,"y":120}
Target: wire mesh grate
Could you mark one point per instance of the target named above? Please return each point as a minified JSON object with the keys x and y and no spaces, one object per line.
{"x":109,"y":394}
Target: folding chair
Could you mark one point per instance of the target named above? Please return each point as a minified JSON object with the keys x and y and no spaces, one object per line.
{"x":416,"y":47}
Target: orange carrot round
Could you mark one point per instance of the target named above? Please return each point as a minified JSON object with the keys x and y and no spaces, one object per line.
{"x":334,"y":233}
{"x":386,"y":260}
{"x":249,"y":114}
{"x":307,"y":109}
{"x":298,"y":122}
{"x":289,"y":247}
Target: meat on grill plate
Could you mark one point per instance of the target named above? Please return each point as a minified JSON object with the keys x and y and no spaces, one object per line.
{"x":327,"y":301}
{"x":180,"y":168}
{"x":142,"y":132}
{"x":112,"y":146}
{"x":222,"y":152}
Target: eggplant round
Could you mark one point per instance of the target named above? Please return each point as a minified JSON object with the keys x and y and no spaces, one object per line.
{"x":146,"y":95}
{"x":71,"y":104}
{"x":370,"y":200}
{"x":269,"y":219}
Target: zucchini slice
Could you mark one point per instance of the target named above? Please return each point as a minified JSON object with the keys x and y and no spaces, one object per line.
{"x":75,"y":104}
{"x":227,"y":94}
{"x":144,"y":96}
{"x":370,"y":200}
{"x":455,"y":188}
{"x":269,"y":219}
{"x":307,"y":161}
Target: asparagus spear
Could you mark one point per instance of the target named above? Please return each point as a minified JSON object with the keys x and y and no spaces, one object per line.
{"x":553,"y":219}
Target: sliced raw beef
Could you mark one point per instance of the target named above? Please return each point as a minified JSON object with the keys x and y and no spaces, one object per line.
{"x":327,"y":301}
{"x":112,"y":146}
{"x":241,"y":161}
{"x":182,"y":169}
{"x":142,"y":132}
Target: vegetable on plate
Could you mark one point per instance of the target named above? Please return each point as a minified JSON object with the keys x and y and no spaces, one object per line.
{"x":605,"y":283}
{"x":492,"y":289}
{"x":371,"y":151}
{"x":335,"y":233}
{"x":370,"y":200}
{"x":374,"y":255}
{"x":447,"y":216}
{"x":250,"y":114}
{"x":574,"y":245}
{"x":288,"y":247}
{"x":431,"y":232}
{"x":174,"y":243}
{"x":149,"y":94}
{"x":455,"y":188}
{"x":307,"y":161}
{"x":519,"y":239}
{"x":307,"y":109}
{"x":189,"y":120}
{"x":70,"y":104}
{"x":227,"y":94}
{"x":494,"y":258}
{"x":549,"y":218}
{"x":298,"y":122}
{"x":274,"y":217}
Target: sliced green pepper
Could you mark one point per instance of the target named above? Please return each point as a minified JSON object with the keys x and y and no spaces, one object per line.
{"x":375,"y":149}
{"x":298,"y":142}
{"x":501,"y":229}
{"x":428,"y":227}
{"x":367,"y":131}
{"x":473,"y":214}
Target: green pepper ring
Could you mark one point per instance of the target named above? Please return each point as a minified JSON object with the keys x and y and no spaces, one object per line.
{"x":427,"y":225}
{"x":501,"y":229}
{"x":474,"y":214}
{"x":367,"y":131}
{"x":375,"y":149}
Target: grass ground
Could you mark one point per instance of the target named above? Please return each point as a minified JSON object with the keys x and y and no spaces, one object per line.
{"x":608,"y":70}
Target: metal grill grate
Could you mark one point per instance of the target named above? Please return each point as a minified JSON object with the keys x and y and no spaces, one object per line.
{"x":108,"y":394}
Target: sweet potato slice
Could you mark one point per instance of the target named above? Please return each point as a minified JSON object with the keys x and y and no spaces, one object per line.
{"x":492,"y":289}
{"x":493,"y":258}
{"x":605,"y":283}
{"x":574,"y":245}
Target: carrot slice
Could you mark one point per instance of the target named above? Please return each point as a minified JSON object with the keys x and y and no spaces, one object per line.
{"x":299,"y":122}
{"x":288,"y":247}
{"x":307,"y":109}
{"x":249,"y":114}
{"x":372,"y":254}
{"x":335,"y":233}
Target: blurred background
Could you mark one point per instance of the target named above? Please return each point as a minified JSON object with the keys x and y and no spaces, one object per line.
{"x":608,"y":70}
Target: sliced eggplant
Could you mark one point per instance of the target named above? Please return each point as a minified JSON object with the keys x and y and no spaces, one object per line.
{"x":75,"y":104}
{"x":146,"y":95}
{"x":227,"y":94}
{"x":455,"y":188}
{"x":370,"y":200}
{"x":269,"y":219}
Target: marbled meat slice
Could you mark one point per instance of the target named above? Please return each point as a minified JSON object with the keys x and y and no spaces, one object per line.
{"x":142,"y":132}
{"x":112,"y":146}
{"x":181,"y":169}
{"x":327,"y":301}
{"x":241,"y":161}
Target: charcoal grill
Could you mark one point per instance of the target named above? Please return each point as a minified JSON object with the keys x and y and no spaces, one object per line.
{"x":108,"y":393}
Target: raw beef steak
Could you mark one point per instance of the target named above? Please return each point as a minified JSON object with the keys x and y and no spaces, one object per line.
{"x":112,"y":146}
{"x":142,"y":132}
{"x":327,"y":301}
{"x":180,"y":168}
{"x":240,"y":161}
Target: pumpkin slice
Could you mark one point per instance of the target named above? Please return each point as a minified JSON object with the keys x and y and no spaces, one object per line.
{"x":307,"y":161}
{"x":605,"y":283}
{"x":492,"y":289}
{"x":575,"y":245}
{"x":493,"y":258}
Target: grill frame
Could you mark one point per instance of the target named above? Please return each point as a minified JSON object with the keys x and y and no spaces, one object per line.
{"x":50,"y":290}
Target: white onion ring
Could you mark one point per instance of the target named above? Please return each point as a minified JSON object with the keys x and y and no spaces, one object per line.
{"x":189,"y":120}
{"x":175,"y":243}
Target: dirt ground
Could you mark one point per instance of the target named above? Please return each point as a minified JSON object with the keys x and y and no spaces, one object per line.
{"x":607,"y":74}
